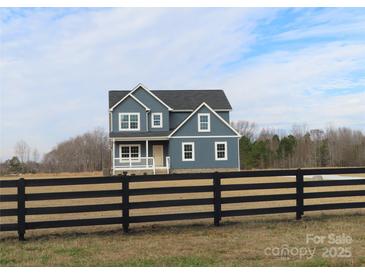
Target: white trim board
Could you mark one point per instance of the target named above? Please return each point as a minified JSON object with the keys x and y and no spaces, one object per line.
{"x":225,"y":151}
{"x":146,"y":89}
{"x":167,"y":138}
{"x":133,"y":97}
{"x":129,"y":121}
{"x":190,"y":110}
{"x":152,"y":120}
{"x":139,"y":139}
{"x":212,"y":111}
{"x":199,"y":122}
{"x":192,"y":151}
{"x":210,"y":136}
{"x":138,"y":159}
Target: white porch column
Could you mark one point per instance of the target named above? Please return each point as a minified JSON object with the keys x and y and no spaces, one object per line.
{"x":113,"y":156}
{"x":146,"y":153}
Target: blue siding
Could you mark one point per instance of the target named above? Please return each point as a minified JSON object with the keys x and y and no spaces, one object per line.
{"x":128,"y":105}
{"x":217,"y":127}
{"x":177,"y":117}
{"x":224,"y":115}
{"x":204,"y":153}
{"x":204,"y":147}
{"x":155,"y":106}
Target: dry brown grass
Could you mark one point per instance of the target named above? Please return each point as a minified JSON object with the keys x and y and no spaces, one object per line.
{"x":51,"y":175}
{"x":184,"y":242}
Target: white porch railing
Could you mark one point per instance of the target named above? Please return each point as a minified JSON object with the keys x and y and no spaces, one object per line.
{"x":140,"y":164}
{"x":135,"y":163}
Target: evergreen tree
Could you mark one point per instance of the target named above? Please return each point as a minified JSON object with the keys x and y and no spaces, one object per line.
{"x":14,"y":165}
{"x":324,"y":153}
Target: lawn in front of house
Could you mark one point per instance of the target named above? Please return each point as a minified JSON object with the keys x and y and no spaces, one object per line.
{"x":241,"y":241}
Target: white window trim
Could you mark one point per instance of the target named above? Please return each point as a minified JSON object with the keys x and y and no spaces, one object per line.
{"x":161,"y":122}
{"x":129,"y":121}
{"x":225,"y":151}
{"x":183,"y":151}
{"x":200,"y":115}
{"x":129,"y":159}
{"x":212,"y":111}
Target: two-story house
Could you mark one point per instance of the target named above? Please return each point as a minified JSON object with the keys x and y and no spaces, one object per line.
{"x":171,"y":131}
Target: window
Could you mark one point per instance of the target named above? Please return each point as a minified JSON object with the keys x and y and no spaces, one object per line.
{"x":156,"y":120}
{"x":130,"y":153}
{"x":188,"y":153}
{"x":129,"y":121}
{"x":204,"y":122}
{"x":220,"y":150}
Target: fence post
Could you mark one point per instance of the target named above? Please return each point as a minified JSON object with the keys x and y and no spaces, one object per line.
{"x":299,"y":194}
{"x":21,"y":209}
{"x":217,"y":198}
{"x":125,"y":204}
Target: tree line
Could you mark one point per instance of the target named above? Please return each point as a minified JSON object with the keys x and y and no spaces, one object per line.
{"x":259,"y":149}
{"x":270,"y":148}
{"x":86,"y":152}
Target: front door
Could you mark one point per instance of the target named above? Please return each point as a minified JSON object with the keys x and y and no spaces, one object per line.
{"x":158,"y":154}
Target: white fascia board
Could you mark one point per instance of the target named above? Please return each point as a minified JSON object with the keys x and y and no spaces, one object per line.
{"x":224,"y":121}
{"x":140,"y":138}
{"x":189,"y":110}
{"x":199,"y":107}
{"x":206,"y":136}
{"x":133,"y":97}
{"x":151,"y":93}
{"x":186,"y":119}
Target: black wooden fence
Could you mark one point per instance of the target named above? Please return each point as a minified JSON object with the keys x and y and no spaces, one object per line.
{"x":125,"y":192}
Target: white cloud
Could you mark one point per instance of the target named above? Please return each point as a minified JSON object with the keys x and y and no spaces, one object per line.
{"x":55,"y":73}
{"x":55,"y":70}
{"x":290,"y":87}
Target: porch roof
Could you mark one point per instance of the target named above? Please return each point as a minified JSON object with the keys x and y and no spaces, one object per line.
{"x":139,"y":134}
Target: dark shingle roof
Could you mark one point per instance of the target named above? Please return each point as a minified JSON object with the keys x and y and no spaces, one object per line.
{"x":116,"y":95}
{"x":182,"y":99}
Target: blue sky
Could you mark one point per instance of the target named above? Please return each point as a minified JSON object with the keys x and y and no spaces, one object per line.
{"x":279,"y":67}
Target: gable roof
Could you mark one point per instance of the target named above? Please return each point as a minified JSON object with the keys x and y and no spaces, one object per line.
{"x":180,"y":99}
{"x":191,"y":99}
{"x":131,"y":94}
{"x":133,"y":97}
{"x":212,"y":111}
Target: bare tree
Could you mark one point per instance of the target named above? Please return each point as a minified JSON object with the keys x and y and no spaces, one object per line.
{"x":87,"y":152}
{"x":22,"y":150}
{"x":245,"y":128}
{"x":35,"y":155}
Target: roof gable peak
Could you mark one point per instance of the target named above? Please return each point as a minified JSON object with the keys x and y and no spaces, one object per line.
{"x":204,"y":104}
{"x":140,"y":85}
{"x":134,"y":98}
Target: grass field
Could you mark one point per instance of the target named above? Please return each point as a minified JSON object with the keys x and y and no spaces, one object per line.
{"x":240,"y":241}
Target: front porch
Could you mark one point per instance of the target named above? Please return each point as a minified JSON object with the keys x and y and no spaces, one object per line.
{"x":140,"y":156}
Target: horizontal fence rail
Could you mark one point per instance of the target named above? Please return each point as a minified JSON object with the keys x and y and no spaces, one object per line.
{"x":301,"y":190}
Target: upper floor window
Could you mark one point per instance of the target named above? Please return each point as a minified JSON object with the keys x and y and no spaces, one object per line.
{"x":156,"y":120}
{"x":220,"y":150}
{"x":129,"y":121}
{"x":188,"y":153}
{"x":203,"y":122}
